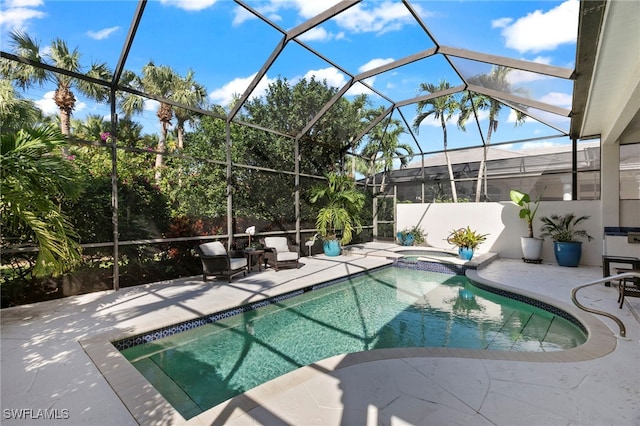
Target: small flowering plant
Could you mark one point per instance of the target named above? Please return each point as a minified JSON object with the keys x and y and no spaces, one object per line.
{"x":106,"y":137}
{"x":251,"y":231}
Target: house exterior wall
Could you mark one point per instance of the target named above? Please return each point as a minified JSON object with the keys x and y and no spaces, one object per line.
{"x":503,"y":224}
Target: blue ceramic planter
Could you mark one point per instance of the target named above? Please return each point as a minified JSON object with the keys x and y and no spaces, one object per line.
{"x":568,"y":254}
{"x":465,"y":253}
{"x":405,"y":240}
{"x":331,"y":248}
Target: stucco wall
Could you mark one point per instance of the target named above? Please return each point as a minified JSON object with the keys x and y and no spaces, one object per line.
{"x":629,"y":213}
{"x":502,"y":223}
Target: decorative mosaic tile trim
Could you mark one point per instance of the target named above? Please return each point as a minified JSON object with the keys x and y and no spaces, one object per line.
{"x":621,"y":231}
{"x":422,"y":265}
{"x":209,"y":319}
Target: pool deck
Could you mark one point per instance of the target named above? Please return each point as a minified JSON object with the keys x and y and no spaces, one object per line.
{"x":56,"y":359}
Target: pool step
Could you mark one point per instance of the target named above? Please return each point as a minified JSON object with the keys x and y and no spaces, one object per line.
{"x":170,"y":389}
{"x":525,"y":336}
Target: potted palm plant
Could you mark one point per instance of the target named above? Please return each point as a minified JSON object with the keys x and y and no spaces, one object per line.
{"x":341,"y":213}
{"x":531,"y":246}
{"x":563,"y":231}
{"x":466,"y":240}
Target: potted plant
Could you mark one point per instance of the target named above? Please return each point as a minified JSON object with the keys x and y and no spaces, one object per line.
{"x":411,"y":236}
{"x":531,"y":246}
{"x":340,"y":213}
{"x":466,"y":240}
{"x":563,"y":231}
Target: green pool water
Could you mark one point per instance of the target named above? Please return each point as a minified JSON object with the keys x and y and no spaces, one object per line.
{"x":389,"y":308}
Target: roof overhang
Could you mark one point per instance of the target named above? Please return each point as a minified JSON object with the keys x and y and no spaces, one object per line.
{"x":607,"y":89}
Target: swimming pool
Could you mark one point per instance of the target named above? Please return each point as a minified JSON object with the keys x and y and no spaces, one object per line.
{"x":393,"y":307}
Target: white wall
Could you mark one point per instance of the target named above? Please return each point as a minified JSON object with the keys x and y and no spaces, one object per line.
{"x":502,"y":223}
{"x":630,"y":213}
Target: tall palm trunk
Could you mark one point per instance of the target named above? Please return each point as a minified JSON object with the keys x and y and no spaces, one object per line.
{"x":180,"y":137}
{"x":165,"y":113}
{"x":66,"y":102}
{"x":482,"y":172}
{"x":454,"y":194}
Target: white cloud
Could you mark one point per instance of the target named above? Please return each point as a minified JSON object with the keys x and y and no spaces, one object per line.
{"x":150,"y":105}
{"x":320,"y":34}
{"x":383,"y":18}
{"x":513,"y":117}
{"x":79,"y":107}
{"x":374,"y":63}
{"x":241,"y":15}
{"x":358,"y":89}
{"x":529,"y":145}
{"x":102,"y":34}
{"x":305,"y":8}
{"x":226,"y":94}
{"x":46,"y":104}
{"x":309,"y":9}
{"x":17,"y":14}
{"x":501,"y":23}
{"x":332,"y":75}
{"x":558,"y":99}
{"x":517,"y":77}
{"x":189,"y":4}
{"x":540,"y":30}
{"x":316,"y":34}
{"x":548,"y":117}
{"x":23,"y":3}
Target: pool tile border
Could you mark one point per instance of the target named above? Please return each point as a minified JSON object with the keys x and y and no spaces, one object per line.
{"x":160,"y":333}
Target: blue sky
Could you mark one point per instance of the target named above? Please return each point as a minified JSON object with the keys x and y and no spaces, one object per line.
{"x":225,"y":46}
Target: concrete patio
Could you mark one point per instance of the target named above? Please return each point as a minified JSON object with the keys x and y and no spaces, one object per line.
{"x":57,"y":360}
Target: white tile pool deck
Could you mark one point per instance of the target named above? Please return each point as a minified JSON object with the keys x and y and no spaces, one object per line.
{"x":55,"y":356}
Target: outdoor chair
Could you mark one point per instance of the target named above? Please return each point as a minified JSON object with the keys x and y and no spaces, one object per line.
{"x":280,"y":254}
{"x":628,"y":286}
{"x":217,"y":261}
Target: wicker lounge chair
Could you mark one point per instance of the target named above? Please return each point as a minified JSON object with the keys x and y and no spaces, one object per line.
{"x":217,"y":261}
{"x":280,"y":254}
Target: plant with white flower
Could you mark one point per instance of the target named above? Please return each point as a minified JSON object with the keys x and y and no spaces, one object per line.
{"x":250,"y":231}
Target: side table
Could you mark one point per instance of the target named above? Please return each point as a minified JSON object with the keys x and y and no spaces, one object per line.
{"x":251,"y":255}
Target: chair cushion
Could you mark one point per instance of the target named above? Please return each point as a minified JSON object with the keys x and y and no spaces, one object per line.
{"x":278,"y":243}
{"x":237,"y":263}
{"x":213,"y":249}
{"x":287,"y":255}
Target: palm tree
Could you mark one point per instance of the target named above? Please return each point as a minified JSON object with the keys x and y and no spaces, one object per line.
{"x":384,"y":145}
{"x":190,"y":93}
{"x":91,"y":127}
{"x":342,"y":210}
{"x":441,"y":108}
{"x":497,"y":80}
{"x":34,"y":182}
{"x":159,"y":81}
{"x":59,"y":56}
{"x":15,"y":111}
